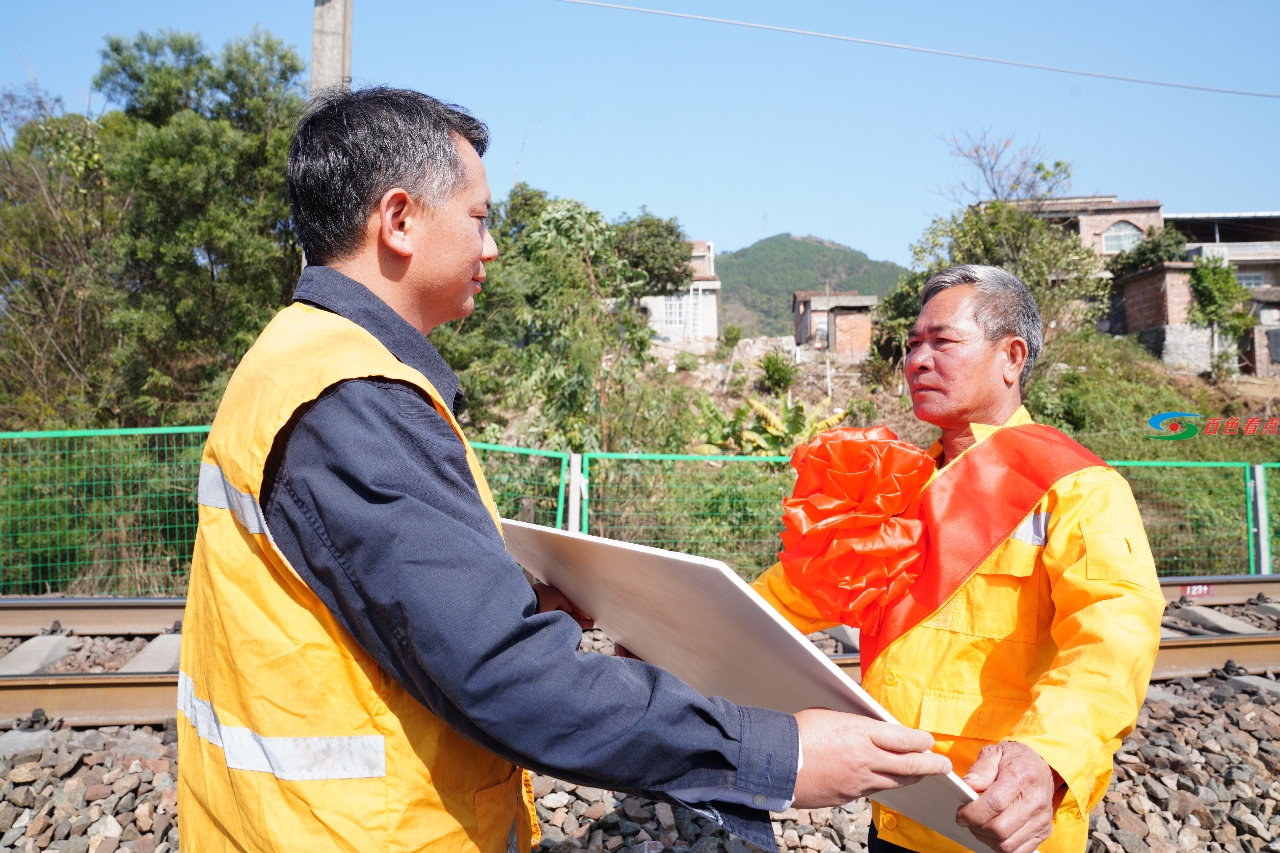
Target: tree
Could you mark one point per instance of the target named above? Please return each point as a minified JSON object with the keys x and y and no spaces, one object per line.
{"x":1167,"y":244}
{"x":59,"y":216}
{"x":659,"y":248}
{"x":1004,"y":230}
{"x":1218,"y":303}
{"x":143,"y":251}
{"x":207,"y":254}
{"x":1060,"y":272}
{"x":999,"y":172}
{"x":558,"y":330}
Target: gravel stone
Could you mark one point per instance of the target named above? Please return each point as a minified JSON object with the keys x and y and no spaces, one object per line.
{"x":98,"y":654}
{"x":556,"y":799}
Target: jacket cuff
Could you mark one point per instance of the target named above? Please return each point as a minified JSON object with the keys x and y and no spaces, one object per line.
{"x":770,"y":754}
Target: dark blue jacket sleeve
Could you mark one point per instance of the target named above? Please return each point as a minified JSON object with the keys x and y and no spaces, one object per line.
{"x":372,"y":502}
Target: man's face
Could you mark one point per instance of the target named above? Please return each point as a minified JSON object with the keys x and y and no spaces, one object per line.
{"x":453,"y":244}
{"x":957,"y":376}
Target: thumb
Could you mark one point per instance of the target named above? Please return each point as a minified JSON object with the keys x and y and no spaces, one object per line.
{"x":983,"y":771}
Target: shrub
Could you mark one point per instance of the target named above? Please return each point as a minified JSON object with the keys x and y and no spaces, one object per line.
{"x":779,"y":372}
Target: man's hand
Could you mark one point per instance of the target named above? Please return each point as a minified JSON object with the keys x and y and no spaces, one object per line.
{"x":847,"y":757}
{"x":1014,"y":813}
{"x":550,"y":598}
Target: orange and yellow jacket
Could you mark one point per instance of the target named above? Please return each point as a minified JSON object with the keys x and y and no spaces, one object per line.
{"x":1050,"y":643}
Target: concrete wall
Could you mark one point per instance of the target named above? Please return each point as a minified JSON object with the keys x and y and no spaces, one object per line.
{"x":849,"y":336}
{"x":1185,"y":347}
{"x":700,"y":315}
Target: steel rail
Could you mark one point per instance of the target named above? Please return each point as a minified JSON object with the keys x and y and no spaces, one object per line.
{"x":105,"y":699}
{"x":30,"y":616}
{"x":1193,"y":657}
{"x":142,"y":698}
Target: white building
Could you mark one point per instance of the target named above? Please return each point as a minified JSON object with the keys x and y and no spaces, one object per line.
{"x":694,"y":314}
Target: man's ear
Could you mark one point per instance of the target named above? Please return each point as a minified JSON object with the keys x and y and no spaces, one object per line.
{"x":1015,"y":351}
{"x":396,"y":211}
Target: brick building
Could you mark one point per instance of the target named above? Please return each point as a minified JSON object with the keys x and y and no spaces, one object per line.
{"x":838,"y":322}
{"x":1104,"y":223}
{"x":1154,"y":303}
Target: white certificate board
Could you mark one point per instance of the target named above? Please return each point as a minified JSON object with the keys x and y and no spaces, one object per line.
{"x":699,"y":621}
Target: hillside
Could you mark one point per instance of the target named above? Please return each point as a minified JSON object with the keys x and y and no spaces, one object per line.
{"x":758,"y":281}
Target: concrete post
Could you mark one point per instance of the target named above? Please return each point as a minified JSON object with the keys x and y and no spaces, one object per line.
{"x":575,"y":492}
{"x":331,"y":45}
{"x":1262,"y":540}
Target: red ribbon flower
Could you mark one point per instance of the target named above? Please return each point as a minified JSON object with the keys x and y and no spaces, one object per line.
{"x":852,"y":541}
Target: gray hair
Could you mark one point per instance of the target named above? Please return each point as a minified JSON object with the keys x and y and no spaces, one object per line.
{"x":352,"y":147}
{"x":1004,"y":308}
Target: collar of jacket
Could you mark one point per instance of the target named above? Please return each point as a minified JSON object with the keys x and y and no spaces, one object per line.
{"x":326,"y":288}
{"x":981,"y":432}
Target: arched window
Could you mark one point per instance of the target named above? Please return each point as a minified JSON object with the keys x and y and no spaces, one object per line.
{"x":1121,"y":237}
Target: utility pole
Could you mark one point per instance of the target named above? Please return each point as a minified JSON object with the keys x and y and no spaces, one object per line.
{"x":331,"y":45}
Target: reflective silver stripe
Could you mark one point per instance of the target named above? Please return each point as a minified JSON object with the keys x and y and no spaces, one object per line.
{"x":301,"y":759}
{"x":1035,"y":530}
{"x":217,"y":492}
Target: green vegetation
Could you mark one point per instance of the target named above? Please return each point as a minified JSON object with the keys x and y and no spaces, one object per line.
{"x":141,"y":252}
{"x":1219,"y":298}
{"x":558,"y":333}
{"x":758,"y":281}
{"x":770,"y":433}
{"x":779,"y":372}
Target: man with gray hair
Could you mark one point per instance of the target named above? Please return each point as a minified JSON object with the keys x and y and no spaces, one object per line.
{"x":1026,"y":642}
{"x":364,"y":667}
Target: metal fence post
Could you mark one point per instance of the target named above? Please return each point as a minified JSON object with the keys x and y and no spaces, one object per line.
{"x":1251,"y":518}
{"x":575,"y":492}
{"x":1262,"y":538}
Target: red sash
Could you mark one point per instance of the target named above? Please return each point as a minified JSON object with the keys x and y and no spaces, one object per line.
{"x":969,"y":509}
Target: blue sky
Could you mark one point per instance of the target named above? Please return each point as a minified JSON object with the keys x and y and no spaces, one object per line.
{"x":742,"y":133}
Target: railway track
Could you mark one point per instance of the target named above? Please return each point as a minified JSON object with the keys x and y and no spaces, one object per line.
{"x":144,"y":690}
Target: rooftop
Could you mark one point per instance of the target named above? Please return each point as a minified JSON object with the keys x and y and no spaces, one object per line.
{"x":1093,"y":204}
{"x":820,"y":300}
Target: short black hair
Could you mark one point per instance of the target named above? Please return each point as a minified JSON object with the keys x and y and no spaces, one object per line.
{"x":351,"y":147}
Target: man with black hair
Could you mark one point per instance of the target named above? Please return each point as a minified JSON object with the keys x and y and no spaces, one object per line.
{"x":363,"y":665}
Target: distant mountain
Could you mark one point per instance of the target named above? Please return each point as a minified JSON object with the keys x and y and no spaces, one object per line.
{"x":757,"y":282}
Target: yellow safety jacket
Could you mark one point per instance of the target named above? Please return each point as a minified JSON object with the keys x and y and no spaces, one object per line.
{"x":290,"y":736}
{"x":1050,"y":643}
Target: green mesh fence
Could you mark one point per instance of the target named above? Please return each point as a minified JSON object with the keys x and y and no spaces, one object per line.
{"x":527,"y":485}
{"x":1196,"y":515}
{"x":725,"y":508}
{"x":729,"y":508}
{"x":109,"y":512}
{"x":113,"y":512}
